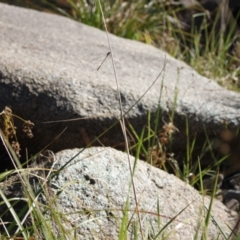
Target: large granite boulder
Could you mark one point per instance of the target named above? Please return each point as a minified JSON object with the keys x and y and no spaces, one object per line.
{"x":90,"y":192}
{"x":100,"y":179}
{"x":48,"y":72}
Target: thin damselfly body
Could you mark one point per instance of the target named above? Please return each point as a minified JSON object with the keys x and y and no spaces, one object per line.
{"x":103,"y":60}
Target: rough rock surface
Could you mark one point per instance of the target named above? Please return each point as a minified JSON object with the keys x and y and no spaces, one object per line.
{"x":97,"y":181}
{"x":91,"y":191}
{"x":48,"y":72}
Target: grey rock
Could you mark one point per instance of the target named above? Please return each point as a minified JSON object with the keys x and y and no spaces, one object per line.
{"x":208,"y":184}
{"x":48,"y":72}
{"x":91,"y":192}
{"x":233,"y":204}
{"x":231,"y":194}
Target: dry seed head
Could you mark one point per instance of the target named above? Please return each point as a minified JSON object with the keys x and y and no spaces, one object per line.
{"x":27,"y":128}
{"x":6,"y":123}
{"x":158,"y":154}
{"x":169,"y":128}
{"x":9,"y":130}
{"x":16,"y":148}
